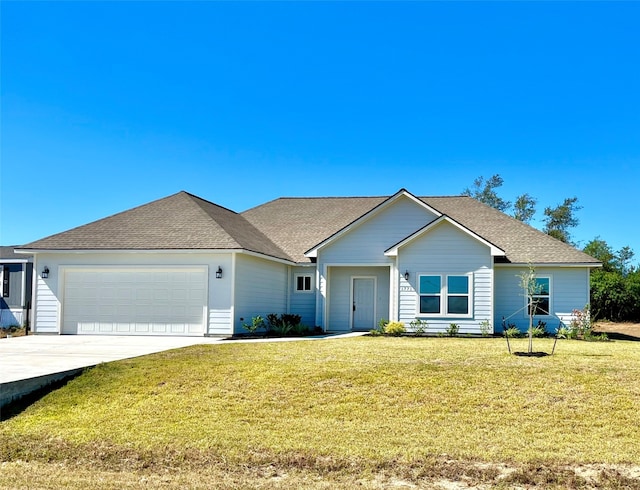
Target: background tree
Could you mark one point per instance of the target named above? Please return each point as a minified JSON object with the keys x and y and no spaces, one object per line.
{"x":524,"y":208}
{"x":615,"y":289}
{"x":560,"y":219}
{"x":484,"y":191}
{"x":599,"y":249}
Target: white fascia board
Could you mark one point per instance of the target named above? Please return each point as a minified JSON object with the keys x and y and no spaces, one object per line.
{"x":393,"y":251}
{"x":128,"y":250}
{"x":267,"y":257}
{"x":15,"y":261}
{"x":216,"y":251}
{"x":313,"y":253}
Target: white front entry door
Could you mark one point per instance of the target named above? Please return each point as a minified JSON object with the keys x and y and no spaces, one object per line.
{"x":363,"y":292}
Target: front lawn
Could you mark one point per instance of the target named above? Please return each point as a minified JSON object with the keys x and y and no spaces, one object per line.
{"x":370,"y":411}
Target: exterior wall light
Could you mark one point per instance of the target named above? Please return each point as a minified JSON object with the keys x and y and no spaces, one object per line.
{"x":219,"y":273}
{"x":406,"y":275}
{"x":45,"y":272}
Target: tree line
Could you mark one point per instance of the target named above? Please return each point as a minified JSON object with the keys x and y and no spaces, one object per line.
{"x":615,"y":288}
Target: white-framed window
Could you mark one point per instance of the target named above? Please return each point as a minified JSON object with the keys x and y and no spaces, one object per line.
{"x":303,"y":282}
{"x":541,"y":300}
{"x":445,"y":295}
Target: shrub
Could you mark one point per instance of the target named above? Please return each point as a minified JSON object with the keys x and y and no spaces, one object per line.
{"x":419,"y":326}
{"x":284,"y":324}
{"x":379,"y":330}
{"x":485,"y":328}
{"x":453,"y":329}
{"x":257,"y":323}
{"x":540,"y":330}
{"x":512,"y":331}
{"x":581,"y":322}
{"x":394,"y":328}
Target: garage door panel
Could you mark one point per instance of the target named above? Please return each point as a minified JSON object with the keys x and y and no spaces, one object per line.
{"x":156,"y":301}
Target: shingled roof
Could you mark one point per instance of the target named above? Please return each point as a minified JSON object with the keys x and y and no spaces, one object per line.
{"x":286,"y":228}
{"x":178,"y":222}
{"x":298,"y":224}
{"x":522,"y":243}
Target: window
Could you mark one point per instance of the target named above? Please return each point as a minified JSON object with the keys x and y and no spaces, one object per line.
{"x":303,"y":283}
{"x":444,"y":295}
{"x":430,"y":293}
{"x":5,"y":282}
{"x":540,"y":300}
{"x":458,"y":295}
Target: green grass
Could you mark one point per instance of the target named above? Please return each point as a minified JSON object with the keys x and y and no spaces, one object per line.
{"x":376,"y":403}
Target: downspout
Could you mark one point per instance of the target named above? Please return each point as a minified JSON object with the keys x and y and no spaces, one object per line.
{"x":288,"y":296}
{"x":34,"y":297}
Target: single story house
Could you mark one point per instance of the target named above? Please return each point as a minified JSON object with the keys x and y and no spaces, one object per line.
{"x":16,"y":271}
{"x":182,"y":265}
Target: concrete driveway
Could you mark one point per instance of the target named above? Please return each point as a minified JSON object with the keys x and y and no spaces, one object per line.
{"x":28,"y":364}
{"x":40,"y":355}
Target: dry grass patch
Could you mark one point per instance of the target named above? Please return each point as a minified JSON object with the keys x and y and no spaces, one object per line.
{"x":365,"y":409}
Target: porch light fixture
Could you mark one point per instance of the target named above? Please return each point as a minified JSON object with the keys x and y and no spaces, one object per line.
{"x":406,"y":275}
{"x":45,"y":272}
{"x":219,"y":273}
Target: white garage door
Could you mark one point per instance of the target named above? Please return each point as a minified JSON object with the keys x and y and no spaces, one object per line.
{"x":135,"y":301}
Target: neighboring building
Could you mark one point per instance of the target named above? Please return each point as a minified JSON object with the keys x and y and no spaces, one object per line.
{"x":185,"y":266}
{"x":16,"y":272}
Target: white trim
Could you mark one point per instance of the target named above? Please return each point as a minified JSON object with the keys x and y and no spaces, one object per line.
{"x":526,"y":298}
{"x":393,"y":251}
{"x":394,"y":292}
{"x":352,"y":298}
{"x":232,"y":308}
{"x":325,"y":273}
{"x":313,"y":252}
{"x":444,"y":295}
{"x":206,"y":251}
{"x":295,"y":289}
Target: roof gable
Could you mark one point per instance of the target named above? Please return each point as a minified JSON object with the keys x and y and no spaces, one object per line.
{"x":393,"y":251}
{"x":402,"y":193}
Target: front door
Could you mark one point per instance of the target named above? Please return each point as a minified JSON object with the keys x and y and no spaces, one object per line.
{"x":363,"y":303}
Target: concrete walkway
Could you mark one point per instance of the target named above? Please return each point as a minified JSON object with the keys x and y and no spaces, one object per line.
{"x":29,"y":363}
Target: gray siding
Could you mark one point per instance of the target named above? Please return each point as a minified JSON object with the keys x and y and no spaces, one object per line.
{"x":367,"y":242}
{"x":569,"y":290}
{"x":303,"y":303}
{"x":260,"y":289}
{"x":446,"y":250}
{"x":14,"y":273}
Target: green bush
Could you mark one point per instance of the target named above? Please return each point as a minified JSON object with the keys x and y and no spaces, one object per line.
{"x":485,"y":328}
{"x":512,"y":332}
{"x":257,"y":323}
{"x":453,"y":329}
{"x":285,"y":324}
{"x":540,"y":330}
{"x":379,"y":330}
{"x":418,"y":326}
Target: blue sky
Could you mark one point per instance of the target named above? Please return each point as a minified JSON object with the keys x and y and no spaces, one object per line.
{"x":109,"y":105}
